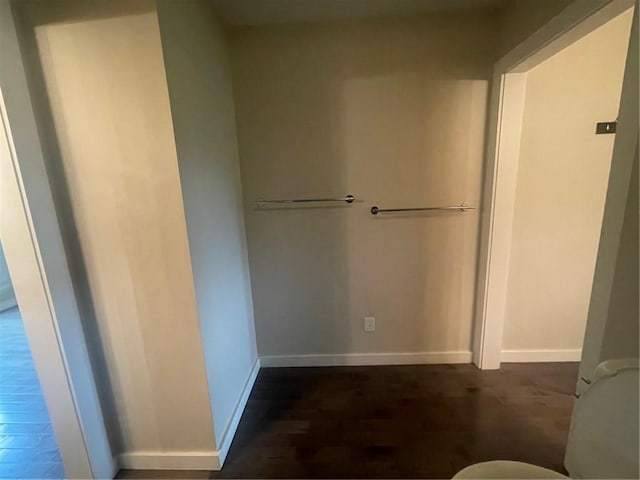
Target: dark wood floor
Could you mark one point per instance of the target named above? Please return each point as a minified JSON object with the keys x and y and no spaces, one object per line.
{"x":397,"y":421}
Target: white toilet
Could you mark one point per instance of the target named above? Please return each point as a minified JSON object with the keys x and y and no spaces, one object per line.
{"x":603,"y":439}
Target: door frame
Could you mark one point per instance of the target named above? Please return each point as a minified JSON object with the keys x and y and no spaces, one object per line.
{"x":37,"y":263}
{"x":506,"y":106}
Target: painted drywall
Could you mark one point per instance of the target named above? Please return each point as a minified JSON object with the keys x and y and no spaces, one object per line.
{"x":201,"y":95}
{"x":614,"y":250}
{"x":57,"y":336}
{"x":244,"y":12}
{"x":7,"y":296}
{"x":621,"y":335}
{"x":562,"y":181}
{"x":107,"y":99}
{"x":521,"y":18}
{"x":392,"y":111}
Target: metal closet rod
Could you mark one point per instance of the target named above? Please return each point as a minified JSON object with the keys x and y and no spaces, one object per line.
{"x":463,"y":207}
{"x":346,"y":198}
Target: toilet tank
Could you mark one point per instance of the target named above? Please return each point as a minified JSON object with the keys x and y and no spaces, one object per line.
{"x":603,"y":438}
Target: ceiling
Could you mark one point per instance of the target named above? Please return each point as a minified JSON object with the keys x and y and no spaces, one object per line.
{"x":261,"y":12}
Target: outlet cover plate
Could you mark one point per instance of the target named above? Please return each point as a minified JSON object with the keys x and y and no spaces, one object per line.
{"x":369,"y":324}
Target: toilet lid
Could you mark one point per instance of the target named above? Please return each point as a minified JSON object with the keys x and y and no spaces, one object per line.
{"x":506,"y":469}
{"x":603,"y":440}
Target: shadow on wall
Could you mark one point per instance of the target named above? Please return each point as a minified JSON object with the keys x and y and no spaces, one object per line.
{"x":393,"y":112}
{"x":29,"y":16}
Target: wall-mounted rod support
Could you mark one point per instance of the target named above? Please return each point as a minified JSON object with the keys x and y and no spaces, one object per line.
{"x":462,"y":208}
{"x":346,"y":198}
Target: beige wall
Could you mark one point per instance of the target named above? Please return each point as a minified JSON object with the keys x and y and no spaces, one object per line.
{"x":106,"y":89}
{"x":392,"y":111}
{"x":199,"y":81}
{"x":562,"y":182}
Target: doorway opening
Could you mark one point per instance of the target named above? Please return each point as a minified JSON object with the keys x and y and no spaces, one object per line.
{"x":32,"y":246}
{"x":562,"y":177}
{"x":554,"y":113}
{"x":28,"y":447}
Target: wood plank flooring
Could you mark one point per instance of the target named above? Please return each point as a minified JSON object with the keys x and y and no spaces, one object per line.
{"x":423,"y":421}
{"x":28,"y":447}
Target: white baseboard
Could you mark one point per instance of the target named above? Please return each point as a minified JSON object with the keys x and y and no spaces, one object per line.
{"x":193,"y":460}
{"x":170,"y":460}
{"x":356,"y":359}
{"x":525,"y":356}
{"x":232,"y":426}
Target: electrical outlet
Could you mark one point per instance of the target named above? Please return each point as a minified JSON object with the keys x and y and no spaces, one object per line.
{"x":369,"y":324}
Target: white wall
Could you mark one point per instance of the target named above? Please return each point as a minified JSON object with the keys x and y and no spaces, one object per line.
{"x":7,"y":296}
{"x":40,"y":274}
{"x":200,"y":91}
{"x":104,"y":76}
{"x":562,"y":181}
{"x":392,"y":111}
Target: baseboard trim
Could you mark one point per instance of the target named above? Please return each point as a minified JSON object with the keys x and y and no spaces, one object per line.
{"x":358,"y":359}
{"x":534,"y":356}
{"x":232,"y":426}
{"x":170,"y":460}
{"x":193,"y":460}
